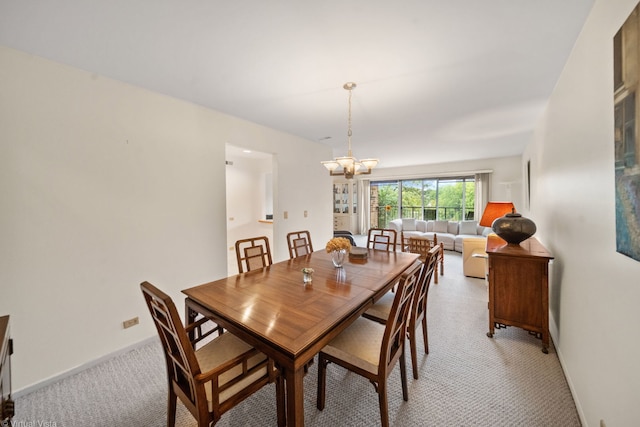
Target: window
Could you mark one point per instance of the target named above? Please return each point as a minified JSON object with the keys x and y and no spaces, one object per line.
{"x":384,"y":203}
{"x":429,"y":199}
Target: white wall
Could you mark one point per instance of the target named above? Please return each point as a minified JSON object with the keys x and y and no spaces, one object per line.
{"x":595,"y":290}
{"x":105,"y":185}
{"x":506,"y":182}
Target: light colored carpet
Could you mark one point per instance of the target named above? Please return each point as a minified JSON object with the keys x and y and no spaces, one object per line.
{"x":467,"y":379}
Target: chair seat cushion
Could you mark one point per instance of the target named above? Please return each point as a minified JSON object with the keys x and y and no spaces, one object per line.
{"x":220,"y":351}
{"x":381,"y":309}
{"x":358,"y":345}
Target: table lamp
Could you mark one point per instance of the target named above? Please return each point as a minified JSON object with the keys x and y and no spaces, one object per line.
{"x":506,"y":223}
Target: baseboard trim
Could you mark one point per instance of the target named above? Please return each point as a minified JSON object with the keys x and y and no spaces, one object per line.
{"x":31,"y":388}
{"x":555,"y":333}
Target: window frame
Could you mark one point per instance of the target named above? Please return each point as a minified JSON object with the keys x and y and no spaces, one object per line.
{"x":388,"y":210}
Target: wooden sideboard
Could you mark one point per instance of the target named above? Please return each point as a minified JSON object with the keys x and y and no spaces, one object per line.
{"x":6,"y":349}
{"x":519,"y":287}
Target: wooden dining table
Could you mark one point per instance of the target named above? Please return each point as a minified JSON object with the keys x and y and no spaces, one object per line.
{"x":274,"y":311}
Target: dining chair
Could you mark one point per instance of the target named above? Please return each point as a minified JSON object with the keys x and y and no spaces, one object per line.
{"x":371,"y":349}
{"x":421,"y":246}
{"x":381,"y":310}
{"x":382,"y":238}
{"x":253,"y":253}
{"x":299,"y":243}
{"x":214,"y":378}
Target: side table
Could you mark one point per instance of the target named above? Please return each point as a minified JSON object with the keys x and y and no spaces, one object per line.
{"x":519,"y":287}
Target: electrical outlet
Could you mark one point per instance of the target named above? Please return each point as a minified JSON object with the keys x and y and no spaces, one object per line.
{"x":306,"y":214}
{"x":131,"y":322}
{"x":286,"y":215}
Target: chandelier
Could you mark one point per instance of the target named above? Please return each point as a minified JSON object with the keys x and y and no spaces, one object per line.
{"x":349,"y":165}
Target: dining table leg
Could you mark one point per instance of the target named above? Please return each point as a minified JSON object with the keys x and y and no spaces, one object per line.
{"x":294,"y":379}
{"x":190,"y":317}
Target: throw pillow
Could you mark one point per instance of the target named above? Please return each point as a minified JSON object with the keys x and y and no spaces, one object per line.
{"x":408,"y":224}
{"x":440,"y":226}
{"x":452,"y":228}
{"x":469,"y":227}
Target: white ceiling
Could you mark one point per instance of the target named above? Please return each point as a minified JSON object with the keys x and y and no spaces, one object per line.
{"x":438,"y":80}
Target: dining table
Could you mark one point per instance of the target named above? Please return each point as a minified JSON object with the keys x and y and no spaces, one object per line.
{"x":290,"y":321}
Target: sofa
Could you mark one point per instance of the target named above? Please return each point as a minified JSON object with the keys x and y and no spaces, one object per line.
{"x":450,"y":233}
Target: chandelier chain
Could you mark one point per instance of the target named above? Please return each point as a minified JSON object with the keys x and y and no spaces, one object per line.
{"x":349,"y":124}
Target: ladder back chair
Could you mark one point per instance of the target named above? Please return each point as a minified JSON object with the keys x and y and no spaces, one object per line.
{"x":371,"y":349}
{"x":382,"y":239}
{"x":214,"y":378}
{"x":380,"y":311}
{"x":253,"y":253}
{"x":422,"y":246}
{"x":299,"y":243}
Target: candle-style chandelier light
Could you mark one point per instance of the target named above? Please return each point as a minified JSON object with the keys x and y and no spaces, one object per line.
{"x":349,"y":165}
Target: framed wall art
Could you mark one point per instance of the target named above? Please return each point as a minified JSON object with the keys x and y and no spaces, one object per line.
{"x":626,"y":76}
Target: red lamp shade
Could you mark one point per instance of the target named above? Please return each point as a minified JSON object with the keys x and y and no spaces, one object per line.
{"x":495,"y":210}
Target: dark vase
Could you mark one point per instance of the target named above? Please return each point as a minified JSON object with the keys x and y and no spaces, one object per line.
{"x":514,"y":228}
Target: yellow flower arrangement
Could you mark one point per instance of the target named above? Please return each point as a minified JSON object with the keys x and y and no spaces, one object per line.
{"x":338,"y":243}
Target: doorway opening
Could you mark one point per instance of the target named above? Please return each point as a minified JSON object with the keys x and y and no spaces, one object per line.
{"x":249,"y":198}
